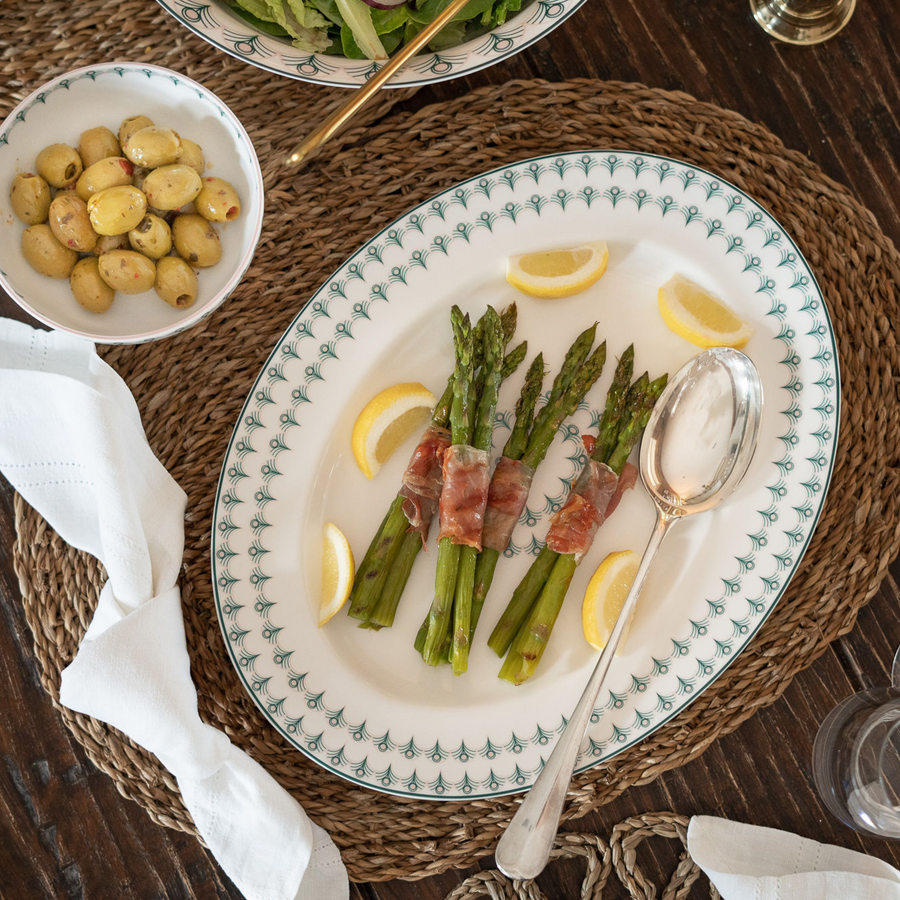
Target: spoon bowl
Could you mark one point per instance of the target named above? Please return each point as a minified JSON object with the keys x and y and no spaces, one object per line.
{"x":696,"y":449}
{"x":702,"y":433}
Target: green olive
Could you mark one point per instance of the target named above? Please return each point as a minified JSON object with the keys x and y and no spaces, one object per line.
{"x":130,"y":126}
{"x":59,"y":165}
{"x":218,"y":200}
{"x":29,"y":196}
{"x":192,"y":155}
{"x":171,"y":187}
{"x":176,"y":282}
{"x":96,"y":144}
{"x":107,"y":242}
{"x":90,"y":290}
{"x":153,"y":146}
{"x":117,"y":209}
{"x":45,"y":254}
{"x":127,"y":271}
{"x":70,"y":223}
{"x":151,"y":236}
{"x":108,"y":172}
{"x":196,"y":241}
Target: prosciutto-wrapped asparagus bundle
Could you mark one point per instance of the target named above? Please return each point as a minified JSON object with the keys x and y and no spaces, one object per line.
{"x":526,"y":449}
{"x":464,"y":492}
{"x":525,"y":627}
{"x":383,"y":608}
{"x":385,"y":568}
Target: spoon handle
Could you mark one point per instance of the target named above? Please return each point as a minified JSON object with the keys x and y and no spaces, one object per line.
{"x":524,"y":848}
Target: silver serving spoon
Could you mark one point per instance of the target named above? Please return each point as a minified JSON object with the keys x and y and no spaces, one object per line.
{"x":695,"y":451}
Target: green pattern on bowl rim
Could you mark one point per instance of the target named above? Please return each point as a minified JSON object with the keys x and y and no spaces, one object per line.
{"x":319,"y":689}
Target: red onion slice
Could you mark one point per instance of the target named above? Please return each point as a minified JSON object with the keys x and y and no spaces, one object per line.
{"x":384,"y":4}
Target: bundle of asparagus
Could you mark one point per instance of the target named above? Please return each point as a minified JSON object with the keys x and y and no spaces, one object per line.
{"x":525,"y":449}
{"x":524,"y":628}
{"x":466,"y":480}
{"x":385,"y":569}
{"x":528,"y":443}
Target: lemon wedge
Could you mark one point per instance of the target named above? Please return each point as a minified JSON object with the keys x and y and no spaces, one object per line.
{"x":605,"y":596}
{"x":386,"y":421}
{"x":699,"y":317}
{"x":558,"y":273}
{"x":338,"y":569}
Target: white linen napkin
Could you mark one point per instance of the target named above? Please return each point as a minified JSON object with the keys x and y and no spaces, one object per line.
{"x":746,"y":862}
{"x":72,"y":444}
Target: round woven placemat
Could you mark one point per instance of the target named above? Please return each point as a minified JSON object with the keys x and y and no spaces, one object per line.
{"x":190,"y":390}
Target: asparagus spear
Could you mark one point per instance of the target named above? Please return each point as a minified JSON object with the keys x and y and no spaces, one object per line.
{"x":577,"y":377}
{"x":461,"y":430}
{"x":517,"y":442}
{"x":515,"y":447}
{"x":531,"y":641}
{"x":526,"y":594}
{"x":369,"y":580}
{"x":481,"y":440}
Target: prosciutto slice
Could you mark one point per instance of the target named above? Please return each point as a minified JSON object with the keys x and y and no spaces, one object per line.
{"x":627,"y":481}
{"x":507,"y":494}
{"x":464,"y":494}
{"x":423,"y":480}
{"x":572,"y":529}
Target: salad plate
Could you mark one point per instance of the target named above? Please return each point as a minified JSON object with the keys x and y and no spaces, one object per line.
{"x":224,"y":27}
{"x":362,"y":703}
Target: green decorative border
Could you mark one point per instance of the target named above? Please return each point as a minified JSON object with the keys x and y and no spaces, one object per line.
{"x":215,"y":23}
{"x":352,"y":298}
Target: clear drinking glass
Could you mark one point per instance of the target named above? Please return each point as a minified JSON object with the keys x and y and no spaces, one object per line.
{"x":802,"y":21}
{"x":856,"y":759}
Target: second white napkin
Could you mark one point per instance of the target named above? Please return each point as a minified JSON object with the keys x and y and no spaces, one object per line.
{"x":746,"y":862}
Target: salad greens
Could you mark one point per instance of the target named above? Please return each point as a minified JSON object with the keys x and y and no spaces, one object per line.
{"x":356,"y":30}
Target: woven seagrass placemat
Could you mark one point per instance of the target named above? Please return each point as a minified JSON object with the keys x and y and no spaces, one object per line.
{"x":190,"y":390}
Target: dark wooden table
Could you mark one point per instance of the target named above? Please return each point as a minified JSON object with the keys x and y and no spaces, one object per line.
{"x":64,"y":830}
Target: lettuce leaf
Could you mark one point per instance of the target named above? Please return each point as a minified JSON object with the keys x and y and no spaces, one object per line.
{"x":304,"y":25}
{"x":260,"y":17}
{"x":357,"y":17}
{"x":305,"y":15}
{"x":329,"y":9}
{"x":387,"y":20}
{"x":502,"y":10}
{"x":428,"y":10}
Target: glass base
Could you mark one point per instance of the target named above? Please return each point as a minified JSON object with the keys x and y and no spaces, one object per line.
{"x":802,"y":21}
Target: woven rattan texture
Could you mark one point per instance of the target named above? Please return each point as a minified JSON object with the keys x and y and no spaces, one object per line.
{"x":190,"y":390}
{"x":617,"y":856}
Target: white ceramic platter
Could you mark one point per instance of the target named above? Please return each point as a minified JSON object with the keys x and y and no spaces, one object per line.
{"x":105,"y":95}
{"x":215,"y":22}
{"x":362,"y":703}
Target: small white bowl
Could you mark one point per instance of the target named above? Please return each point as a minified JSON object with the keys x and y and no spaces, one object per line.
{"x":105,"y":95}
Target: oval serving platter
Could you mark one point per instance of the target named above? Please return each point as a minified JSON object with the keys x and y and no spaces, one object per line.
{"x":363,"y":704}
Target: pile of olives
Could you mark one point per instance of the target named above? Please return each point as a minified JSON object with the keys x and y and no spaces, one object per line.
{"x":126,"y":212}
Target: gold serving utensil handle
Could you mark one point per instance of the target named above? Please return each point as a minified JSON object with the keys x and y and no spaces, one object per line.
{"x":360,"y":98}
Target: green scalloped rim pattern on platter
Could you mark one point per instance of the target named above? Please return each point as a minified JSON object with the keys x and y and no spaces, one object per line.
{"x":398,"y":255}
